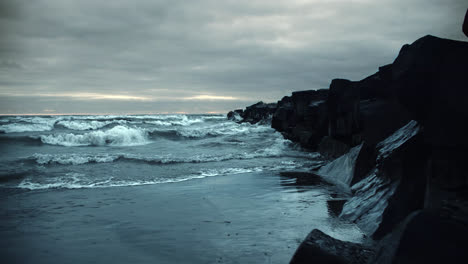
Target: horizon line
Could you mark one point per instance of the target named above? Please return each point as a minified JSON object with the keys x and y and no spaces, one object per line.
{"x":102,"y":114}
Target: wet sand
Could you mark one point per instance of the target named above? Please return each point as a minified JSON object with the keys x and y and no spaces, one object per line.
{"x":244,"y":218}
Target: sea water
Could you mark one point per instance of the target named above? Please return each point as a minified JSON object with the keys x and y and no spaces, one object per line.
{"x":155,"y":189}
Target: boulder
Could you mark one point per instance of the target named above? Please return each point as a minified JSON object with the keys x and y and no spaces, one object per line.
{"x":319,"y":247}
{"x":235,"y":115}
{"x":302,"y":117}
{"x":427,"y":236}
{"x":431,"y":81}
{"x":258,"y":112}
{"x":394,"y":188}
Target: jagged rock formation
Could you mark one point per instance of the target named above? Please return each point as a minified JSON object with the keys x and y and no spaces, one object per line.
{"x":407,"y":167}
{"x":302,"y":117}
{"x":398,"y":140}
{"x":254,"y":113}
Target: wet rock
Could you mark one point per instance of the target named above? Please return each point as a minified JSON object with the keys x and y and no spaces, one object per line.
{"x":341,"y":170}
{"x":394,"y":188}
{"x":304,"y":178}
{"x":335,"y":206}
{"x":258,"y":112}
{"x":302,"y":117}
{"x":331,"y":148}
{"x":364,"y":163}
{"x":427,"y":236}
{"x":235,"y":115}
{"x":319,"y":247}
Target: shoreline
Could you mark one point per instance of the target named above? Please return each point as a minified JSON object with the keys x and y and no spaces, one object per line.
{"x":209,"y":220}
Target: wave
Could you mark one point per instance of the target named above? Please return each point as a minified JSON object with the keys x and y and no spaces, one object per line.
{"x":120,"y":135}
{"x":72,"y":159}
{"x":20,"y":127}
{"x":223,"y":129}
{"x":116,"y":136}
{"x":20,"y":124}
{"x":87,"y":124}
{"x":181,"y":121}
{"x":79,"y":181}
{"x":276,"y":149}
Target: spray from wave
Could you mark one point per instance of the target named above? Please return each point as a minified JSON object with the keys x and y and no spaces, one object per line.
{"x":116,"y":136}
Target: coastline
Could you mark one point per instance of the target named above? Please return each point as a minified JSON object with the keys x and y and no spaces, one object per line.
{"x":256,"y":217}
{"x":397,"y":140}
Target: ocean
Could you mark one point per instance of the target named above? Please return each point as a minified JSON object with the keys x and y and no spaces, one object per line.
{"x":155,"y":188}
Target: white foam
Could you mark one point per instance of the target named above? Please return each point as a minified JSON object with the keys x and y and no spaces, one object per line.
{"x":222,"y":129}
{"x":73,"y":159}
{"x":87,"y":124}
{"x":182,"y":121}
{"x":116,"y":136}
{"x":20,"y":127}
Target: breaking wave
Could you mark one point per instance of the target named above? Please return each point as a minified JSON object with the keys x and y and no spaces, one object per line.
{"x":87,"y":125}
{"x":275,"y":150}
{"x":79,"y":181}
{"x":19,"y":128}
{"x":37,"y":124}
{"x":116,"y":136}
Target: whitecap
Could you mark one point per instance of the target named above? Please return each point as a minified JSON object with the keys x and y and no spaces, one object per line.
{"x":21,"y":127}
{"x":86,"y":125}
{"x":116,"y":136}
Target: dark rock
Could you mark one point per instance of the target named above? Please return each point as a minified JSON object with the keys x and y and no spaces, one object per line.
{"x":394,"y":188}
{"x":343,"y":110}
{"x":335,"y":206}
{"x":304,"y":178}
{"x":235,"y":115}
{"x":302,"y":117}
{"x":379,"y":118}
{"x":364,"y":163}
{"x":318,"y":247}
{"x":331,"y":148}
{"x":431,"y":81}
{"x":407,"y":166}
{"x":427,"y":236}
{"x":341,"y":170}
{"x":258,"y":112}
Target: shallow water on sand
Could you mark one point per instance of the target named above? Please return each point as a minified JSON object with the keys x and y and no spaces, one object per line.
{"x":244,"y":218}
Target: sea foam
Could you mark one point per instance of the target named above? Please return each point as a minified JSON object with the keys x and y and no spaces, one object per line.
{"x":116,"y":136}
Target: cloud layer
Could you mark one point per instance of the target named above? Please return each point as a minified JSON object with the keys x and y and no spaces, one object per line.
{"x":198,"y":56}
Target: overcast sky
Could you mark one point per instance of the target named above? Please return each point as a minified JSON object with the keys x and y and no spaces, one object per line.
{"x":155,"y":56}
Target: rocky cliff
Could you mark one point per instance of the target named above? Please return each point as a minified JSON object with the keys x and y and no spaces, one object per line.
{"x":398,"y":140}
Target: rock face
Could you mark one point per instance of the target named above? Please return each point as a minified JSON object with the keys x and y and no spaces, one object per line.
{"x":235,"y":115}
{"x":410,"y":118}
{"x":318,"y":247}
{"x":302,"y":117}
{"x":398,"y":142}
{"x":254,"y":113}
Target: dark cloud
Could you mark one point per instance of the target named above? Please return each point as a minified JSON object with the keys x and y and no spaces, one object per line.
{"x":170,"y":50}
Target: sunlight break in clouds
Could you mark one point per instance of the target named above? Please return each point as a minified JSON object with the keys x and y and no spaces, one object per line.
{"x":211,"y":97}
{"x":199,"y":56}
{"x":87,"y":96}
